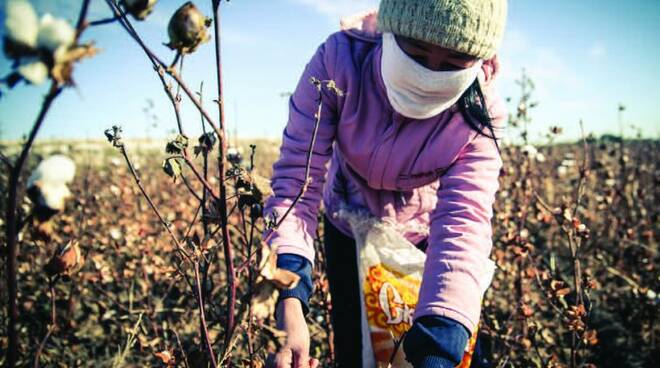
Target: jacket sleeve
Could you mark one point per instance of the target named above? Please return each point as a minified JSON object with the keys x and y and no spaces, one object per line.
{"x":297,"y":232}
{"x":303,"y":268}
{"x":458,"y":270}
{"x":435,"y":342}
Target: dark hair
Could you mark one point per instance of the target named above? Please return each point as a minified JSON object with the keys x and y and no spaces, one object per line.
{"x":472,"y":106}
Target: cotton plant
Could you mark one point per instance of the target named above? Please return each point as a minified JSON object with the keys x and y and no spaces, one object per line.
{"x":40,"y":46}
{"x":532,"y":153}
{"x":48,"y":185}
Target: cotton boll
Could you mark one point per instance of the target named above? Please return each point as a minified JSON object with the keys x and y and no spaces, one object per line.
{"x":56,"y":168}
{"x":47,"y":186}
{"x":67,"y":260}
{"x":653,"y":296}
{"x":53,"y":196}
{"x":529,"y":151}
{"x":187,"y":29}
{"x":33,"y":70}
{"x":21,"y":25}
{"x":562,"y":171}
{"x":139,"y":9}
{"x":54,"y":33}
{"x":234,"y":155}
{"x":568,"y":162}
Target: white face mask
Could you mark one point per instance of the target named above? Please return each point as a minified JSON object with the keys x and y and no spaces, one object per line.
{"x":415,"y":91}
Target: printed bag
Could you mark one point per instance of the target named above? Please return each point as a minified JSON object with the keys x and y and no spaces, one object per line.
{"x":390,"y":269}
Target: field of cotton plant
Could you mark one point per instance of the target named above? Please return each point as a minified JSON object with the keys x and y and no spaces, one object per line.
{"x":118,"y":252}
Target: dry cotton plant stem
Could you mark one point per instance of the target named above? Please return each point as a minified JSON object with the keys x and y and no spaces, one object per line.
{"x":160,"y":71}
{"x":195,"y":262}
{"x":583,"y":171}
{"x":203,"y":202}
{"x":12,"y":219}
{"x":222,"y":159}
{"x":82,"y":230}
{"x":186,"y":158}
{"x":138,"y":182}
{"x":199,"y":176}
{"x":574,"y":242}
{"x":158,"y":63}
{"x":219,"y":131}
{"x":248,"y":263}
{"x":310,"y":150}
{"x":99,"y":22}
{"x":6,"y":161}
{"x":192,"y":222}
{"x":190,"y":188}
{"x":183,"y":352}
{"x":575,"y":249}
{"x":205,"y":167}
{"x":53,"y":323}
{"x":177,"y":57}
{"x":202,"y":315}
{"x":250,"y":293}
{"x":175,"y":99}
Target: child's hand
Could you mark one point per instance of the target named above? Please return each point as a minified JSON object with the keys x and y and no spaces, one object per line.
{"x":295,"y":353}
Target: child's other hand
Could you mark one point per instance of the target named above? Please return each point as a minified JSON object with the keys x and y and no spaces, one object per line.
{"x":295,"y":353}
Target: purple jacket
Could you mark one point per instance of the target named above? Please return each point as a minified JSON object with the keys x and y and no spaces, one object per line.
{"x":436,"y":178}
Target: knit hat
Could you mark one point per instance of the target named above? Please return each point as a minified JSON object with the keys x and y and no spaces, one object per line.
{"x":473,"y":27}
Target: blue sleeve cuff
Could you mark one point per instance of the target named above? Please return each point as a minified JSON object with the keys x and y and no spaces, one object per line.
{"x":435,"y":342}
{"x":434,"y":361}
{"x":303,"y":268}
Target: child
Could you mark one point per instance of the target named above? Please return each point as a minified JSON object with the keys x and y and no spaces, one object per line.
{"x":412,"y":140}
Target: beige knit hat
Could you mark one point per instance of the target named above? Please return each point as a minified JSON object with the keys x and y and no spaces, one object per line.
{"x":473,"y":27}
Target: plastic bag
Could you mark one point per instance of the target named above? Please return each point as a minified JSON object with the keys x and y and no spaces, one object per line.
{"x":390,"y":270}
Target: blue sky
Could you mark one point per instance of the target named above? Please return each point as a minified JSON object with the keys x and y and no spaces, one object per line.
{"x":585,"y":57}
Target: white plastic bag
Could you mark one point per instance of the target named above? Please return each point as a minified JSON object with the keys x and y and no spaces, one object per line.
{"x":390,"y":270}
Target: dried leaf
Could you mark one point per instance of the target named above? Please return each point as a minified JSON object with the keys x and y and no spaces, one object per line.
{"x":66,"y":261}
{"x":167,"y":357}
{"x":172,"y":167}
{"x":62,"y":71}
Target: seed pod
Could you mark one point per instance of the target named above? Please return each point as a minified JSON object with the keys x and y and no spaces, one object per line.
{"x":139,"y":9}
{"x":66,"y":260}
{"x":234,"y":156}
{"x":188,"y":29}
